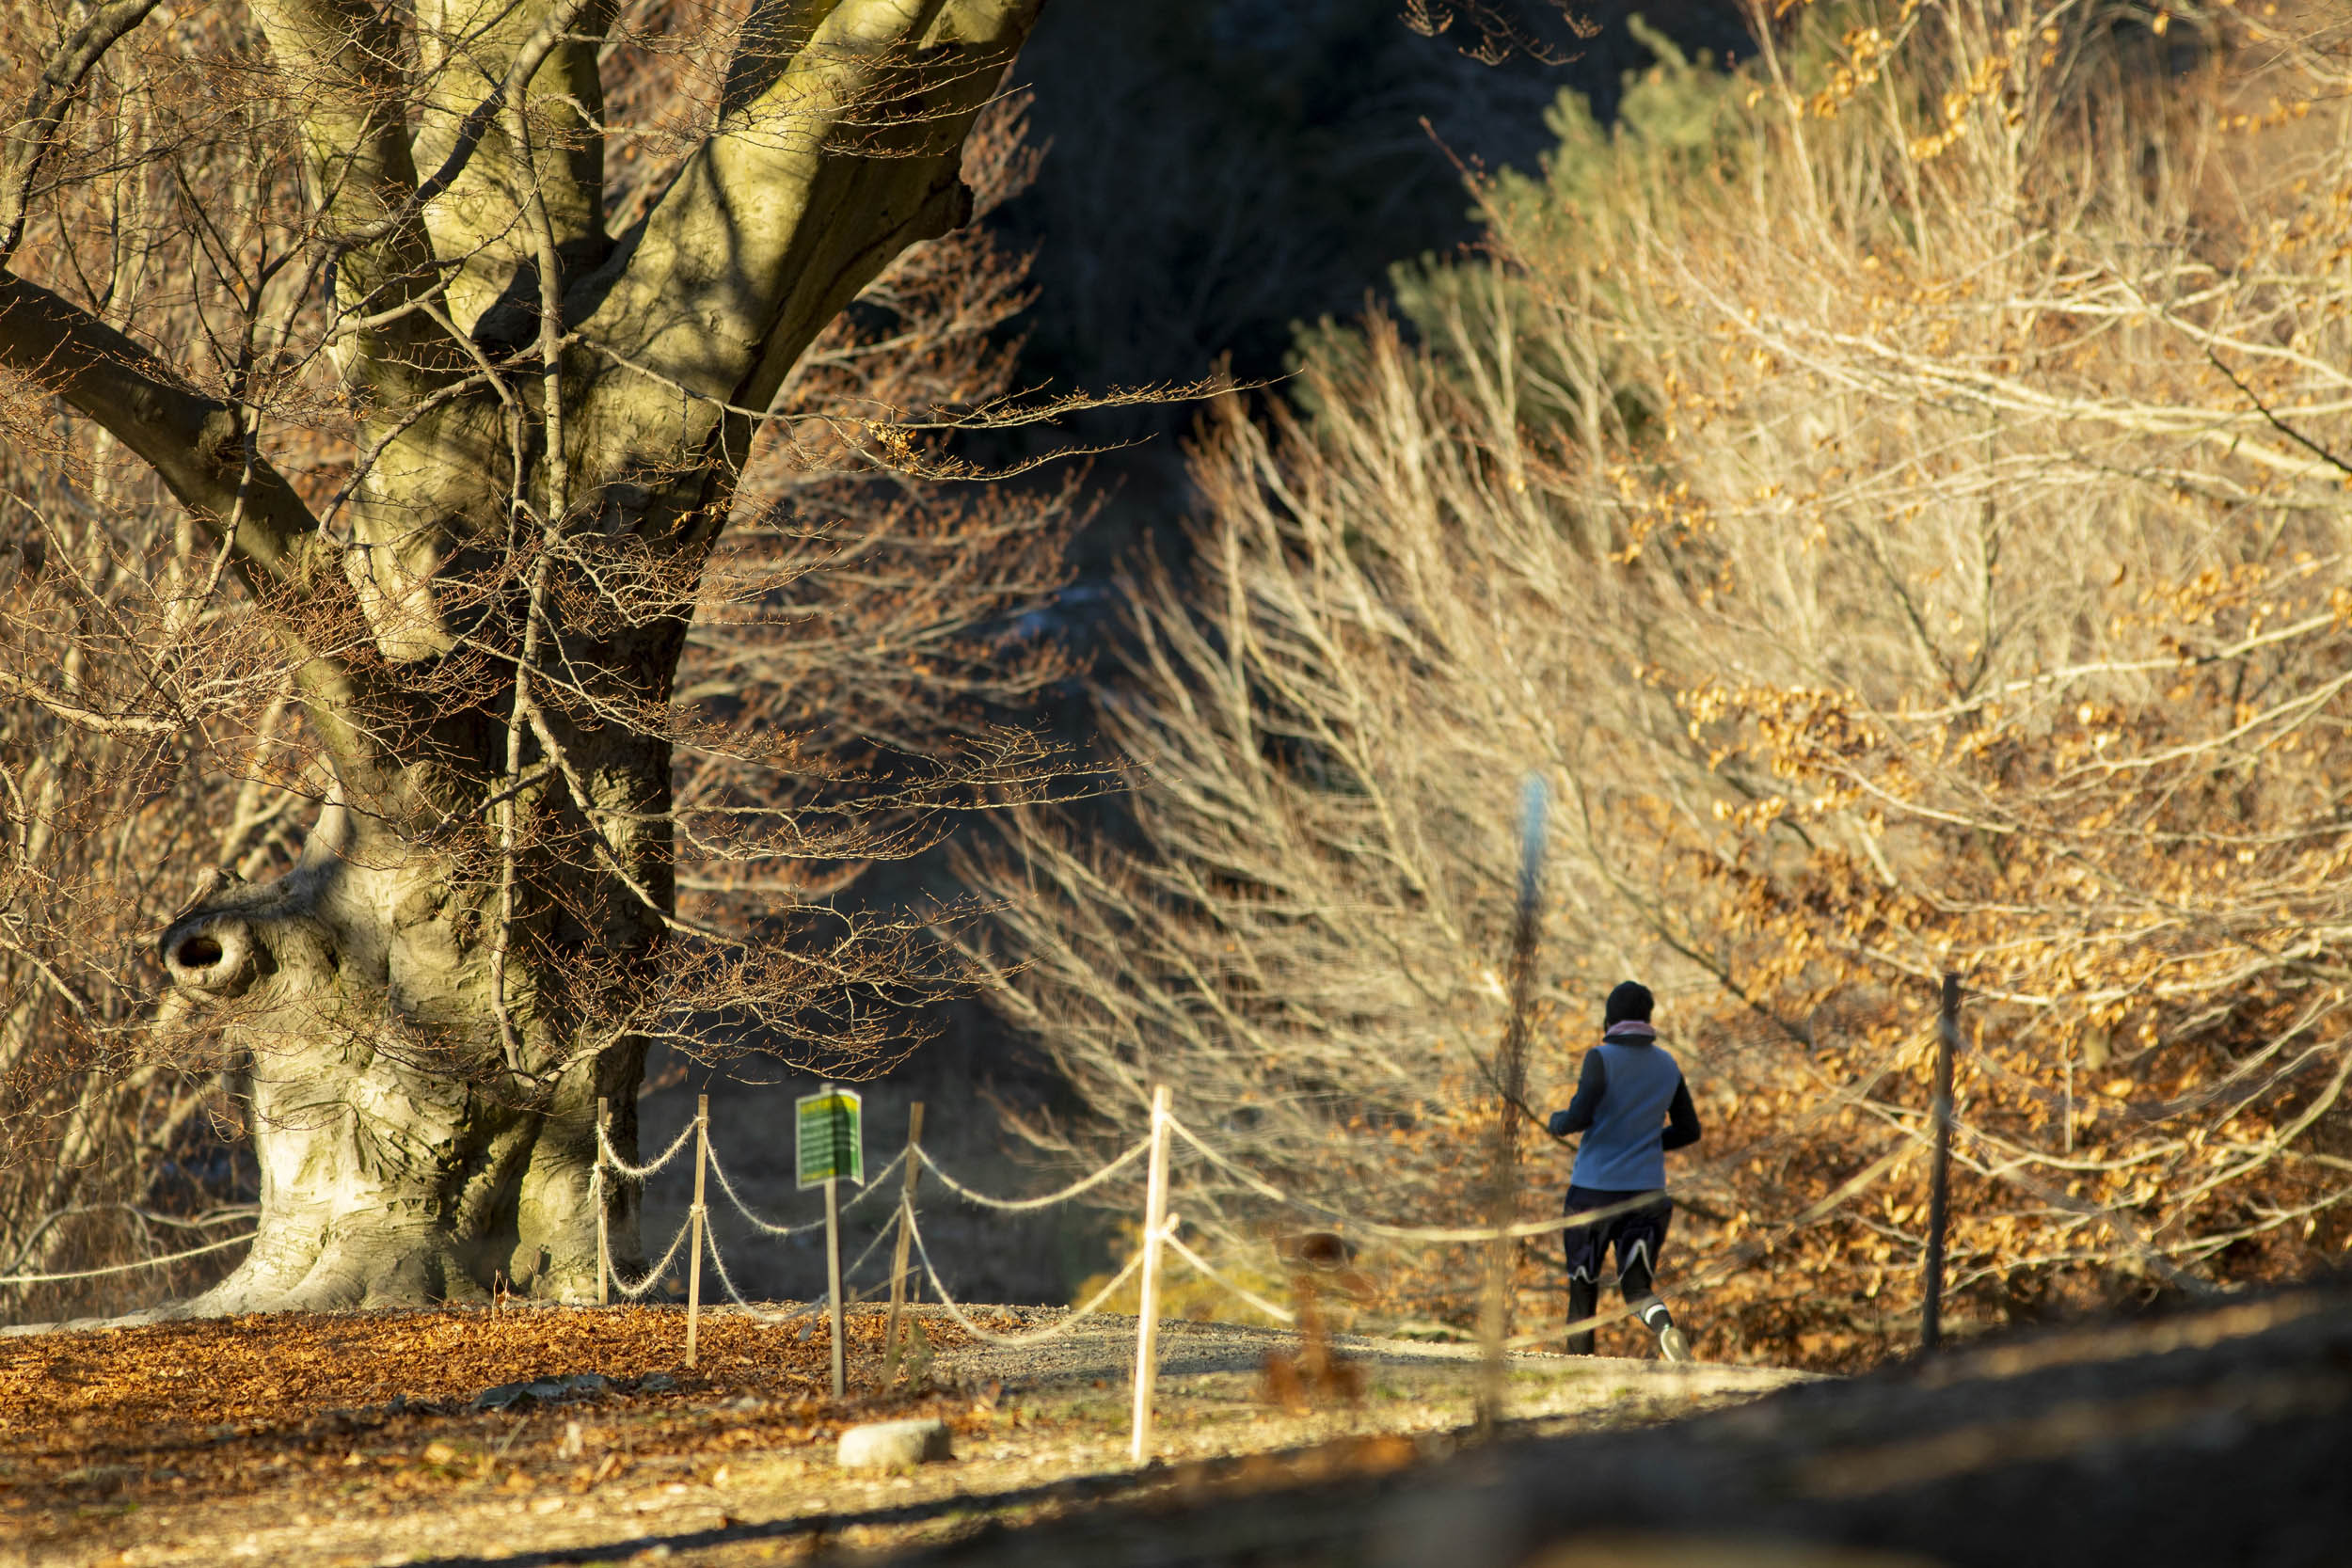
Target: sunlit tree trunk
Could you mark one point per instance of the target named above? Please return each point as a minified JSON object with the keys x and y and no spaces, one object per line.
{"x":484,"y":629}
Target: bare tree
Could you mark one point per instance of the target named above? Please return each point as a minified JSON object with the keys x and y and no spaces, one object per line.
{"x":1895,"y":491}
{"x":448,"y":367}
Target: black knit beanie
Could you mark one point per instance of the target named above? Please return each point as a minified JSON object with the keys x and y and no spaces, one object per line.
{"x":1630,"y":999}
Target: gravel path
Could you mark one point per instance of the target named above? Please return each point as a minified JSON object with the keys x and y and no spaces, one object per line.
{"x":1103,"y":1349}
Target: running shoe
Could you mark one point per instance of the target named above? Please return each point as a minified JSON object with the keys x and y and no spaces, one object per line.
{"x":1672,"y":1345}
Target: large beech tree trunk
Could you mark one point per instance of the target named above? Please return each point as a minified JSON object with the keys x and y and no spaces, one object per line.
{"x":403,"y":1159}
{"x":481,"y":929}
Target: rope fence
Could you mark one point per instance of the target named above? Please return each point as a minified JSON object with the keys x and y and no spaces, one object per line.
{"x":1161,"y":1231}
{"x":1020,"y":1205}
{"x":126,"y":1268}
{"x":873,"y":1185}
{"x":719,"y":1267}
{"x":1055,"y":1330}
{"x":610,"y":1159}
{"x":652,"y":1276}
{"x":1455,"y":1235}
{"x":1279,"y":1314}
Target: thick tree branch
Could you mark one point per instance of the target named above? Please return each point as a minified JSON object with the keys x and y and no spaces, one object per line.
{"x":478,"y":56}
{"x":196,"y":445}
{"x":346,"y":58}
{"x":407,"y":541}
{"x":72,"y":711}
{"x":193,"y":442}
{"x":37,"y":123}
{"x":775,"y":32}
{"x":807,"y":191}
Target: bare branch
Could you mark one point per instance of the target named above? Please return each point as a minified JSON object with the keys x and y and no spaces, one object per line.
{"x":82,"y":714}
{"x":193,"y":443}
{"x":28,"y":140}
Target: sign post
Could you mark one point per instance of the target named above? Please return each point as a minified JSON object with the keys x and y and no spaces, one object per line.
{"x":829,"y":1142}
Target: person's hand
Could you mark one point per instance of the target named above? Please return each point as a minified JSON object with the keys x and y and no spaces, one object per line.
{"x":1558,"y":1125}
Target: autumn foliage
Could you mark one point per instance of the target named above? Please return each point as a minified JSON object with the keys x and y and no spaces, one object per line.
{"x":1893,"y":493}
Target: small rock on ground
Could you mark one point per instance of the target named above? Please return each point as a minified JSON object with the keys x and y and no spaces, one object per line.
{"x":894,"y":1443}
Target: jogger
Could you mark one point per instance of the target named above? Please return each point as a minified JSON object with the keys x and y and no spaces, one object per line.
{"x":1628,"y":1088}
{"x":1636,"y":1227}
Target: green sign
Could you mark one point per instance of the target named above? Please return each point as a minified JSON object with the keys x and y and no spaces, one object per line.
{"x":828,"y":1137}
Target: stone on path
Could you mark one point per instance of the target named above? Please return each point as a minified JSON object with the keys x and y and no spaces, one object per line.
{"x":889,"y":1444}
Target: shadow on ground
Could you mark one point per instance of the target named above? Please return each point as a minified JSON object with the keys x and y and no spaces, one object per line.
{"x":2216,"y":1437}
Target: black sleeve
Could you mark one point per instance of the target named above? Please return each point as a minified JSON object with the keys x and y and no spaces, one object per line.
{"x":1591,"y":1084}
{"x":1682,"y":1120}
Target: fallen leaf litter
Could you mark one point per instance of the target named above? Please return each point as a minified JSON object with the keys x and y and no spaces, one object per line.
{"x":387,"y":1405}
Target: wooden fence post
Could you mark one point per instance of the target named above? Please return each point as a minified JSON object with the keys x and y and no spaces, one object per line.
{"x":899,"y":1256}
{"x":694,"y":1269}
{"x":1947,"y":1040}
{"x":604,"y":1241}
{"x":1148,"y":1319}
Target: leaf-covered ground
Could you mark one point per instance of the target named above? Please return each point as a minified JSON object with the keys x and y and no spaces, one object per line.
{"x":358,"y":1439}
{"x":376,"y":1410}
